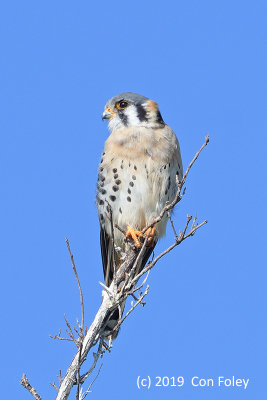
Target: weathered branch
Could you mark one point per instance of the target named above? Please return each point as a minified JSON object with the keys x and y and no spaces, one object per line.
{"x":25,"y":383}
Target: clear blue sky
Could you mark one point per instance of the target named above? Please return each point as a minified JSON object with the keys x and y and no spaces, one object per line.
{"x":203,"y":62}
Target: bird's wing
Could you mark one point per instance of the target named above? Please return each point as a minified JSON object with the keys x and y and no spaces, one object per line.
{"x":106,"y":252}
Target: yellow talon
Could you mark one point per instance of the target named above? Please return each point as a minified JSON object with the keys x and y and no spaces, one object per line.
{"x":131,"y":232}
{"x":150,"y":232}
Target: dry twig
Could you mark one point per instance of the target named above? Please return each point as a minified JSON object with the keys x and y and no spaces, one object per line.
{"x":78,"y":283}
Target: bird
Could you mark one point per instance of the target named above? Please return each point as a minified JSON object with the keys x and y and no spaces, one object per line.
{"x":137,"y":175}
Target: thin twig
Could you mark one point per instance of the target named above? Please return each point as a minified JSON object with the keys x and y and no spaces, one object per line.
{"x":180,"y":240}
{"x":93,"y":381}
{"x":172,"y":225}
{"x":70,"y":332}
{"x":96,"y":357}
{"x":54,"y":386}
{"x":142,"y":284}
{"x":61,"y":338}
{"x":78,"y":282}
{"x":131,"y":310}
{"x":207,"y":139}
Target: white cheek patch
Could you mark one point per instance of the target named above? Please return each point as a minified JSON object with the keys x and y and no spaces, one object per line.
{"x":132,"y":118}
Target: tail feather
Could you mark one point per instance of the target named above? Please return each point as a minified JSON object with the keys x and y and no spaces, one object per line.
{"x":108,"y":269}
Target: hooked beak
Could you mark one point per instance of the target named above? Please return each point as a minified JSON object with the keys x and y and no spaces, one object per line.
{"x":107,"y":114}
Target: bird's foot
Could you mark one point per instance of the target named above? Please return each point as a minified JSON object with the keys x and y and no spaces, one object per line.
{"x":135,"y":235}
{"x":150,"y":232}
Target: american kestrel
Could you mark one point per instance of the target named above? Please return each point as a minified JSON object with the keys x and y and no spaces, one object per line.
{"x":136,"y":176}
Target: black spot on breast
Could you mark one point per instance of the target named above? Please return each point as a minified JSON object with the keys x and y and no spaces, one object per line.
{"x":134,"y":177}
{"x":129,"y":191}
{"x":169,"y":165}
{"x":112,"y":198}
{"x":116,"y":176}
{"x":101,"y":202}
{"x":101,"y":169}
{"x":103,"y":191}
{"x":115,"y":188}
{"x":121,"y":166}
{"x":141,"y":113}
{"x":101,"y":161}
{"x":120,"y":210}
{"x":118,"y":182}
{"x":135,"y":167}
{"x":164,"y":166}
{"x":166,"y":191}
{"x":129,"y":199}
{"x":114,"y":170}
{"x":131,"y":184}
{"x":129,"y":164}
{"x":101,"y":217}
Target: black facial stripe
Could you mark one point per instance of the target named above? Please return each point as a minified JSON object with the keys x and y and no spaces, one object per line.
{"x":141,"y":113}
{"x":159,"y":118}
{"x":123,"y":118}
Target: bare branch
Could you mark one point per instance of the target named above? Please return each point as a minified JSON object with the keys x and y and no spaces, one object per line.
{"x":25,"y":383}
{"x":70,"y":332}
{"x":89,"y":389}
{"x":59,"y":337}
{"x":207,"y":139}
{"x":133,"y":307}
{"x":172,"y":225}
{"x":54,"y":386}
{"x":78,"y":283}
{"x":178,"y":241}
{"x":78,"y":372}
{"x":96,"y":357}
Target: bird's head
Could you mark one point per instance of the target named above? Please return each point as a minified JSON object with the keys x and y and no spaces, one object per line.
{"x":132,"y":109}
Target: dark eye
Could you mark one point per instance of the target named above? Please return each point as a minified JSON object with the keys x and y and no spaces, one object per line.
{"x":121,"y":105}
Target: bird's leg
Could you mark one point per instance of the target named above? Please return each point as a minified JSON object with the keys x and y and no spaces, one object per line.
{"x":135,"y":235}
{"x":150,"y":232}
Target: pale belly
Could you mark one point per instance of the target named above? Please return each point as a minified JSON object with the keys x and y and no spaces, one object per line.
{"x":135,"y":193}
